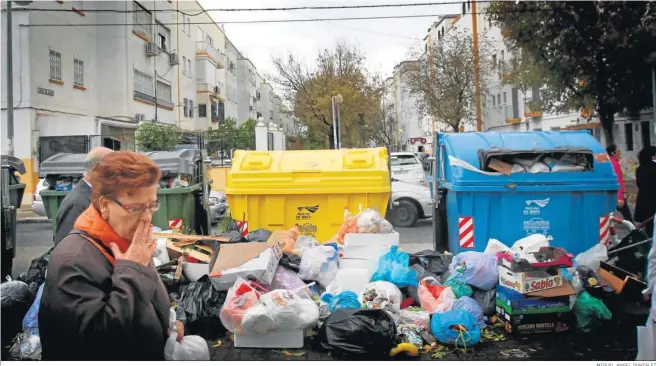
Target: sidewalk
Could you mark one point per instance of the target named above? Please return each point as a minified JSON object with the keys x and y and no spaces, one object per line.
{"x":27,"y":216}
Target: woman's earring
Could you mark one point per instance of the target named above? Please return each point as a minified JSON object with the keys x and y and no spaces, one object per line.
{"x":105,"y":216}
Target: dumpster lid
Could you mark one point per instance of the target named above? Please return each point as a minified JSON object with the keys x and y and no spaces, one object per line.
{"x":63,"y":164}
{"x":13,"y":163}
{"x":176,"y":162}
{"x":464,"y":158}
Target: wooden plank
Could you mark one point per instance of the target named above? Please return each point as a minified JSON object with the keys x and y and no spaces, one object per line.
{"x":192,"y":237}
{"x":192,"y":253}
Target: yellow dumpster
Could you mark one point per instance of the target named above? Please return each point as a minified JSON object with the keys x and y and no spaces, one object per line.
{"x":309,"y":188}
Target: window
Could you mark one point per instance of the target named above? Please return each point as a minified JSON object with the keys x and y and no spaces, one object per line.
{"x":628,"y":136}
{"x":200,"y":36}
{"x":143,"y":83}
{"x":489,"y":22}
{"x":55,"y":65}
{"x":502,"y":55}
{"x":163,"y":91}
{"x":468,"y":5}
{"x":646,"y":133}
{"x":189,"y":67}
{"x":191,"y":109}
{"x":499,"y":99}
{"x":78,"y":72}
{"x":141,"y":19}
{"x":163,"y":36}
{"x":186,"y":107}
{"x":270,"y":114}
{"x":210,"y":41}
{"x":464,"y":9}
{"x":202,"y":110}
{"x":494,"y":101}
{"x":505,"y":101}
{"x":494,"y":60}
{"x":184,"y":65}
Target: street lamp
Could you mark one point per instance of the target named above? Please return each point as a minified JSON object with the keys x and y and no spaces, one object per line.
{"x":10,"y":77}
{"x":337,"y":128}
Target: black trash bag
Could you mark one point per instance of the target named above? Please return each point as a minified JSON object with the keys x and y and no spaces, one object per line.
{"x":432,"y":261}
{"x":202,"y":304}
{"x":259,"y":235}
{"x":16,"y":299}
{"x":486,"y":299}
{"x":36,"y":273}
{"x":233,"y":235}
{"x":291,"y":261}
{"x":367,"y":333}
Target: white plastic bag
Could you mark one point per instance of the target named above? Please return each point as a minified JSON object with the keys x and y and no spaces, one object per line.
{"x":646,"y":341}
{"x":191,"y":348}
{"x":539,"y":168}
{"x":475,"y":269}
{"x":257,"y":320}
{"x":418,"y":317}
{"x":290,"y":310}
{"x":530,"y":244}
{"x":494,"y":246}
{"x":370,"y":221}
{"x":239,"y":301}
{"x":592,"y":257}
{"x":381,"y":295}
{"x":319,"y":264}
{"x":304,"y":242}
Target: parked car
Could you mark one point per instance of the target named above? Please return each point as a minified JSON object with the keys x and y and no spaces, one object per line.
{"x":411,"y":202}
{"x":37,"y":203}
{"x":406,"y":167}
{"x":218,"y":206}
{"x":423,"y":159}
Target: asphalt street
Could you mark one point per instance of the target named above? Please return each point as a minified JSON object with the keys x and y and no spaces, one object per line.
{"x":34,"y":239}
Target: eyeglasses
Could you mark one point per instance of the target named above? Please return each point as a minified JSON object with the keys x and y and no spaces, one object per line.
{"x":138,"y":210}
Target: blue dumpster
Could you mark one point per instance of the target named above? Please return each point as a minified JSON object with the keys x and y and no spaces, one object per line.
{"x":568,"y":196}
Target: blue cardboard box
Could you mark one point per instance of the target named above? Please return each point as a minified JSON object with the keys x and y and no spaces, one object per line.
{"x":514,"y":303}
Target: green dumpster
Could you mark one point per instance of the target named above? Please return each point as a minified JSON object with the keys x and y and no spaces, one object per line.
{"x":16,"y":188}
{"x":181,"y":207}
{"x":59,"y":166}
{"x":11,"y":197}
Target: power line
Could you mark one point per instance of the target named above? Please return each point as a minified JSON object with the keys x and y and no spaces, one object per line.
{"x":325,"y":7}
{"x":276,"y":20}
{"x":373,"y":32}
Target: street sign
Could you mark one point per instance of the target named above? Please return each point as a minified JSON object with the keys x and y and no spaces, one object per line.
{"x":44,"y":91}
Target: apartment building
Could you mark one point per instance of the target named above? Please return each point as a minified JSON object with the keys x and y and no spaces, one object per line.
{"x":507,"y":108}
{"x":411,"y":128}
{"x":266,"y":104}
{"x":79,"y":84}
{"x":247,"y":91}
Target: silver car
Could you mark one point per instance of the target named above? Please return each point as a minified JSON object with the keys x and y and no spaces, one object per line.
{"x":411,"y":202}
{"x":218,"y":206}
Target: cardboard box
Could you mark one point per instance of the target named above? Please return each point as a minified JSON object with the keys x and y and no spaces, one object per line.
{"x":556,"y":300}
{"x":259,"y":260}
{"x":500,"y":166}
{"x":535,"y":323}
{"x":530,"y":281}
{"x":368,"y":246}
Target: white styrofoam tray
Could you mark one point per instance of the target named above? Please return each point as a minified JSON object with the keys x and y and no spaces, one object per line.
{"x":276,"y":339}
{"x":368,"y":246}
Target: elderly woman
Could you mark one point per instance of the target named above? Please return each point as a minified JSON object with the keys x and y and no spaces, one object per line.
{"x":646,"y":182}
{"x":103,"y":298}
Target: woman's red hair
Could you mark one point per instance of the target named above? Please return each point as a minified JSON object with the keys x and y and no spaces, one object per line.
{"x":121,"y":172}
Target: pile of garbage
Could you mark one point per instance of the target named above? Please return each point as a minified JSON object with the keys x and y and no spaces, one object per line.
{"x":357,"y":294}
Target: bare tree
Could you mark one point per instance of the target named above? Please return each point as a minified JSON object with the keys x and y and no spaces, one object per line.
{"x":443,"y":79}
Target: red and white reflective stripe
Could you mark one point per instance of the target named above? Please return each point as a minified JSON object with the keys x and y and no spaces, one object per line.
{"x":604,"y":230}
{"x":466,"y":229}
{"x":242,"y":228}
{"x":175,"y":224}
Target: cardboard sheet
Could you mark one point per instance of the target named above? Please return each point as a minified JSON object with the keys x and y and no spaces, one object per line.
{"x":237,"y":254}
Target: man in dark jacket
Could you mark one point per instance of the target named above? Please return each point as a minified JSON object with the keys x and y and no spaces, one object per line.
{"x":79,"y":199}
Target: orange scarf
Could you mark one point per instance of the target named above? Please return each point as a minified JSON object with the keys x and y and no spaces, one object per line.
{"x":92,"y":223}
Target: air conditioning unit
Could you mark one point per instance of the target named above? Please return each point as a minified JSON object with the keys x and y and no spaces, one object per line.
{"x":217,"y":90}
{"x":139,"y":117}
{"x":151,"y":49}
{"x":174,"y":59}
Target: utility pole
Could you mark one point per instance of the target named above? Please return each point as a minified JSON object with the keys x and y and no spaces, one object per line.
{"x":10,"y":83}
{"x":477,"y":69}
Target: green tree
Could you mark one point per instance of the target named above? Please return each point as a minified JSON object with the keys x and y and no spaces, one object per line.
{"x":157,"y":137}
{"x":339,"y":70}
{"x":585,"y":52}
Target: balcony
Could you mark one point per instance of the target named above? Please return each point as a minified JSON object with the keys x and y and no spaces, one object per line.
{"x":204,"y":49}
{"x":202,"y":87}
{"x":532,"y":108}
{"x":508,"y":70}
{"x":511,"y":116}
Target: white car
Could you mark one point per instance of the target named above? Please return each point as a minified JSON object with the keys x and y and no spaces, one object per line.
{"x":411,"y":202}
{"x":37,"y":203}
{"x":407,"y":168}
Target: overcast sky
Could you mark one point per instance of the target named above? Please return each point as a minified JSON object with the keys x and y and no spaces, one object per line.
{"x":385,"y":42}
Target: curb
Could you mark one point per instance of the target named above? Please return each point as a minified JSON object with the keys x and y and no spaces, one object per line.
{"x":33,"y":220}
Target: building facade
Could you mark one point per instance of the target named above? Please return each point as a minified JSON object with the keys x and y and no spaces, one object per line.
{"x":78,"y":84}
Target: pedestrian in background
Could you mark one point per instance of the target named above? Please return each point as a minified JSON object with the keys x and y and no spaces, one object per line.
{"x":646,"y":181}
{"x":622,"y":206}
{"x":78,"y":200}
